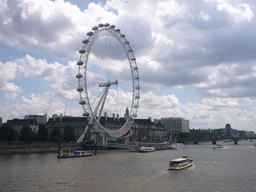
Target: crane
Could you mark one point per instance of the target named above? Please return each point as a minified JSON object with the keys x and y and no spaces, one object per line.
{"x":47,"y":110}
{"x":65,"y":109}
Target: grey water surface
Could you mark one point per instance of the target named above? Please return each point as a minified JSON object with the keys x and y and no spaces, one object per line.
{"x":228,"y":169}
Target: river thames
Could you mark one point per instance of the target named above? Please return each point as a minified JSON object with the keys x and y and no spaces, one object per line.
{"x":228,"y":169}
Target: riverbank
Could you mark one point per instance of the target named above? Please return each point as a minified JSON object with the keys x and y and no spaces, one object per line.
{"x":20,"y":148}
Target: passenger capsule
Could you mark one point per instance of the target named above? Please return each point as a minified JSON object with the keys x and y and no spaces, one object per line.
{"x":130,"y":50}
{"x":133,"y":59}
{"x":118,"y":30}
{"x":86,"y":114}
{"x":85,"y":41}
{"x":137,"y":78}
{"x":112,"y":26}
{"x":79,"y":76}
{"x":79,"y":89}
{"x":126,"y":42}
{"x":106,"y":25}
{"x":100,"y":25}
{"x":134,"y":115}
{"x":135,"y":68}
{"x":90,"y":33}
{"x":136,"y":106}
{"x":82,"y":51}
{"x":95,"y":28}
{"x":138,"y":87}
{"x":80,"y":63}
{"x":122,"y":35}
{"x":137,"y":97}
{"x":82,"y":102}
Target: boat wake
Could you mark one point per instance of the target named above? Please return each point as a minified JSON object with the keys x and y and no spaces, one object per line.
{"x":161,"y":173}
{"x":192,"y":167}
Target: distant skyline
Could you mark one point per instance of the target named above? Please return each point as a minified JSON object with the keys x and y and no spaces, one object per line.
{"x":196,"y":59}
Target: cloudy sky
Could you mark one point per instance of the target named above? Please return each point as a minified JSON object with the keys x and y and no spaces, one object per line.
{"x":196,"y":58}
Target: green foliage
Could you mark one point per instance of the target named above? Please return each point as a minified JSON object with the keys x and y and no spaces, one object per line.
{"x":69,"y":134}
{"x":42,"y":134}
{"x":202,"y":134}
{"x":183,"y":135}
{"x":26,"y":134}
{"x":8,"y":133}
{"x":194,"y":135}
{"x":55,"y":135}
{"x":56,"y":139}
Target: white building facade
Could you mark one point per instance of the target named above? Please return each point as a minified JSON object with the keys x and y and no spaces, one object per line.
{"x":40,"y":119}
{"x":174,"y":125}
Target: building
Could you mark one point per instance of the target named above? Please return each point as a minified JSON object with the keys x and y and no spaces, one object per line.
{"x":146,"y":130}
{"x":220,"y":131}
{"x":40,"y":119}
{"x":142,"y":129}
{"x":1,"y":121}
{"x":18,"y":124}
{"x":228,"y":128}
{"x":174,"y":125}
{"x":78,"y":123}
{"x":249,"y":133}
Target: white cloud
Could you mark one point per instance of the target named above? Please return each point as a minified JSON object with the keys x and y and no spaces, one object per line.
{"x":36,"y":105}
{"x":240,"y":13}
{"x":11,"y":90}
{"x":205,"y":16}
{"x":8,"y":72}
{"x":61,"y":78}
{"x":215,"y":113}
{"x":207,"y":46}
{"x":51,"y":27}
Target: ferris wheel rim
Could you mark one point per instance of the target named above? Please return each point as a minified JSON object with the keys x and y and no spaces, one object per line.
{"x":84,"y":98}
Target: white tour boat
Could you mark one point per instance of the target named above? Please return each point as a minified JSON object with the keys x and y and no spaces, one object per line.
{"x":180,"y":163}
{"x":217,"y":146}
{"x":145,"y":149}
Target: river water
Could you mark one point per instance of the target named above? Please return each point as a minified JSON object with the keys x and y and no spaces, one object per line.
{"x":228,"y":169}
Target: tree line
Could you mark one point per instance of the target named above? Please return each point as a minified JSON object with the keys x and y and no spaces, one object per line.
{"x":194,"y":135}
{"x":9,"y":134}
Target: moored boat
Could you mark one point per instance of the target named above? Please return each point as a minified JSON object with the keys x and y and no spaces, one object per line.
{"x":74,"y":154}
{"x":176,"y":146}
{"x":145,"y":149}
{"x":180,"y":163}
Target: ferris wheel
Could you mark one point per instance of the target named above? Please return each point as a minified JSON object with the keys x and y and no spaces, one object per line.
{"x":108,"y":80}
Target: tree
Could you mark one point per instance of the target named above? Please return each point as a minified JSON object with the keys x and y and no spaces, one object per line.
{"x":183,"y":135}
{"x":8,"y":133}
{"x":26,"y":134}
{"x":55,"y":135}
{"x":42,"y":134}
{"x":69,"y":134}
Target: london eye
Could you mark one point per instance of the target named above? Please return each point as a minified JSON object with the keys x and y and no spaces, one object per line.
{"x":108,"y":79}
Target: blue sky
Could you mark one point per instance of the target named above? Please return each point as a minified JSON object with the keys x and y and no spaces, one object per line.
{"x":196,"y":59}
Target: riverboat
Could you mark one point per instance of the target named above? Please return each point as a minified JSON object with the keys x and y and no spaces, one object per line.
{"x":180,"y":163}
{"x":75,"y":154}
{"x":217,"y":146}
{"x":176,"y":146}
{"x":145,"y":149}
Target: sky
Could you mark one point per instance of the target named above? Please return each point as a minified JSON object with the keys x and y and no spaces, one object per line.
{"x":196,"y":58}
